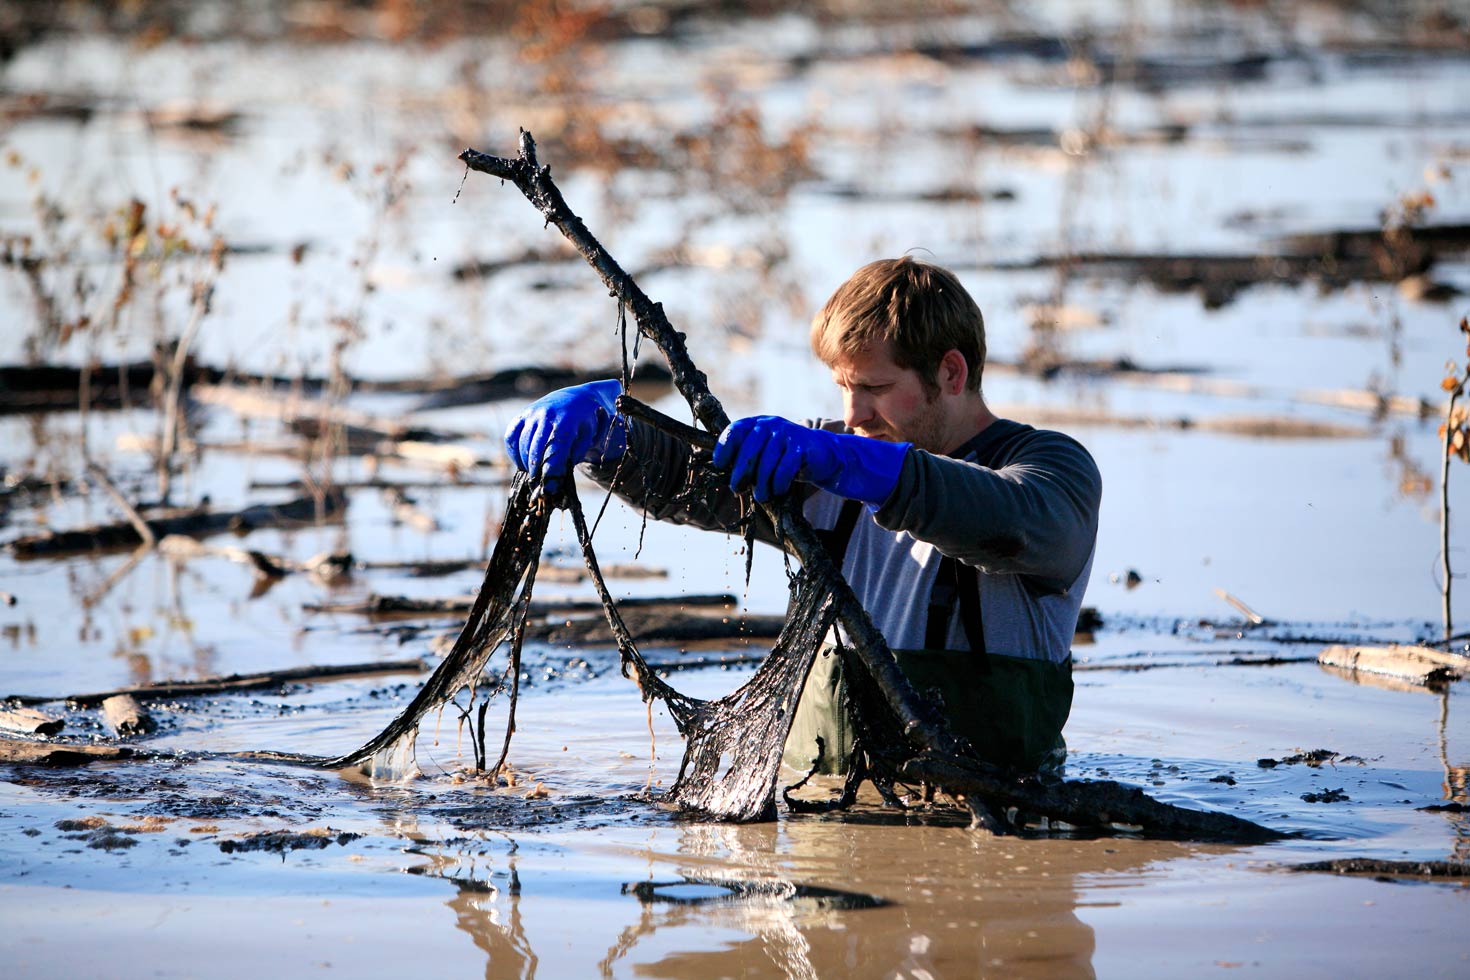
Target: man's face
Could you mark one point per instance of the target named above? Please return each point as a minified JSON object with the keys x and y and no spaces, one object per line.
{"x":881,"y":400}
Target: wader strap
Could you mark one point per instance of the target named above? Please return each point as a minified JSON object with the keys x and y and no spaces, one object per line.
{"x":953,"y":581}
{"x":835,"y":540}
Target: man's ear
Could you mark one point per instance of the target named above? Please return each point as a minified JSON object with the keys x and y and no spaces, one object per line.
{"x":953,"y":372}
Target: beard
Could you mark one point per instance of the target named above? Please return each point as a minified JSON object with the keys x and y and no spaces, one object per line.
{"x":925,"y":429}
{"x":927,"y":432}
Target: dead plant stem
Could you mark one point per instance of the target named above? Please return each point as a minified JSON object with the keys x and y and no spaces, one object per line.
{"x":134,"y":518}
{"x":175,"y":381}
{"x":1444,"y":512}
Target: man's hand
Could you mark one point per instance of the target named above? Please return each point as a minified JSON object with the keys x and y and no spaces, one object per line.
{"x":570,"y":426}
{"x":767,"y":453}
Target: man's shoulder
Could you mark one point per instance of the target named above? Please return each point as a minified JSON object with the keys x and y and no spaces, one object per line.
{"x":1006,"y":437}
{"x":1014,"y":442}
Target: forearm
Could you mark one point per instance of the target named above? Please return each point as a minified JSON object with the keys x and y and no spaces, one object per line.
{"x":1036,"y":517}
{"x":656,"y":474}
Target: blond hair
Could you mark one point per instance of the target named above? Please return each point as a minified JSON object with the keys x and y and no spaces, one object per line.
{"x":920,"y":309}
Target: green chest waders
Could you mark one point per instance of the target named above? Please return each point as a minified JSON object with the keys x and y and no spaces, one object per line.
{"x":1010,"y":709}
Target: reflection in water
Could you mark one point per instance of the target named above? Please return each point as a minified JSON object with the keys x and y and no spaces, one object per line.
{"x":801,"y":899}
{"x":1456,"y":785}
{"x":693,"y":890}
{"x":486,"y":906}
{"x":1411,"y":480}
{"x":499,"y":932}
{"x":913,"y":902}
{"x":769,"y":912}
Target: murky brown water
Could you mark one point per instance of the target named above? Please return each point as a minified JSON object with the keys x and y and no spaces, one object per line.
{"x":763,"y":159}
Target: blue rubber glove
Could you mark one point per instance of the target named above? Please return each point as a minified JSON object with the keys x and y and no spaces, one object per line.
{"x":768,"y":453}
{"x":574,"y":425}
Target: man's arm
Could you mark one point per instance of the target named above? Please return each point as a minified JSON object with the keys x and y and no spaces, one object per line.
{"x":1036,"y":516}
{"x":655,"y":475}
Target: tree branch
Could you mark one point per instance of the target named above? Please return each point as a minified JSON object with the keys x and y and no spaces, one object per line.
{"x":696,"y":438}
{"x":534,"y":181}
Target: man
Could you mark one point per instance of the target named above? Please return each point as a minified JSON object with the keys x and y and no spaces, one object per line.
{"x":968,"y":538}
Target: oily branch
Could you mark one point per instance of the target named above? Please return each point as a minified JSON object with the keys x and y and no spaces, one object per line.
{"x":919,"y":721}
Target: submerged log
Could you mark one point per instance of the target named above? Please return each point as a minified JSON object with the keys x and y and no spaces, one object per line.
{"x":1100,"y":805}
{"x":1433,"y":241}
{"x":26,"y":753}
{"x":429,"y":568}
{"x":1378,"y":868}
{"x":232,"y":682}
{"x":1418,"y":665}
{"x":1250,"y":426}
{"x":649,"y":626}
{"x":453,"y":458}
{"x":193,"y":523}
{"x":407,"y":511}
{"x":394,"y":605}
{"x":181,"y":546}
{"x":60,"y":388}
{"x":1334,"y":260}
{"x":313,"y":417}
{"x":52,"y":387}
{"x":125,"y":716}
{"x":362,"y":434}
{"x":485,"y":268}
{"x":29,"y":721}
{"x":381,"y":483}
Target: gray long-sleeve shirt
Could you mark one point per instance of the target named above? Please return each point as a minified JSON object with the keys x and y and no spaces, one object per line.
{"x":1019,"y":504}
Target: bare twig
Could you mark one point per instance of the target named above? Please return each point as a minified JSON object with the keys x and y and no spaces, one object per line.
{"x":119,"y":573}
{"x":1444,"y":511}
{"x":203,"y":292}
{"x":1253,"y":617}
{"x":698,"y":438}
{"x":1456,"y":443}
{"x":145,"y":533}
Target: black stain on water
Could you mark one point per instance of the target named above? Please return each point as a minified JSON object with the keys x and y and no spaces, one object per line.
{"x":279,"y":842}
{"x":733,"y":892}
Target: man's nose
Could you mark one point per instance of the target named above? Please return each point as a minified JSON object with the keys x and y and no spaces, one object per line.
{"x":857,"y":409}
